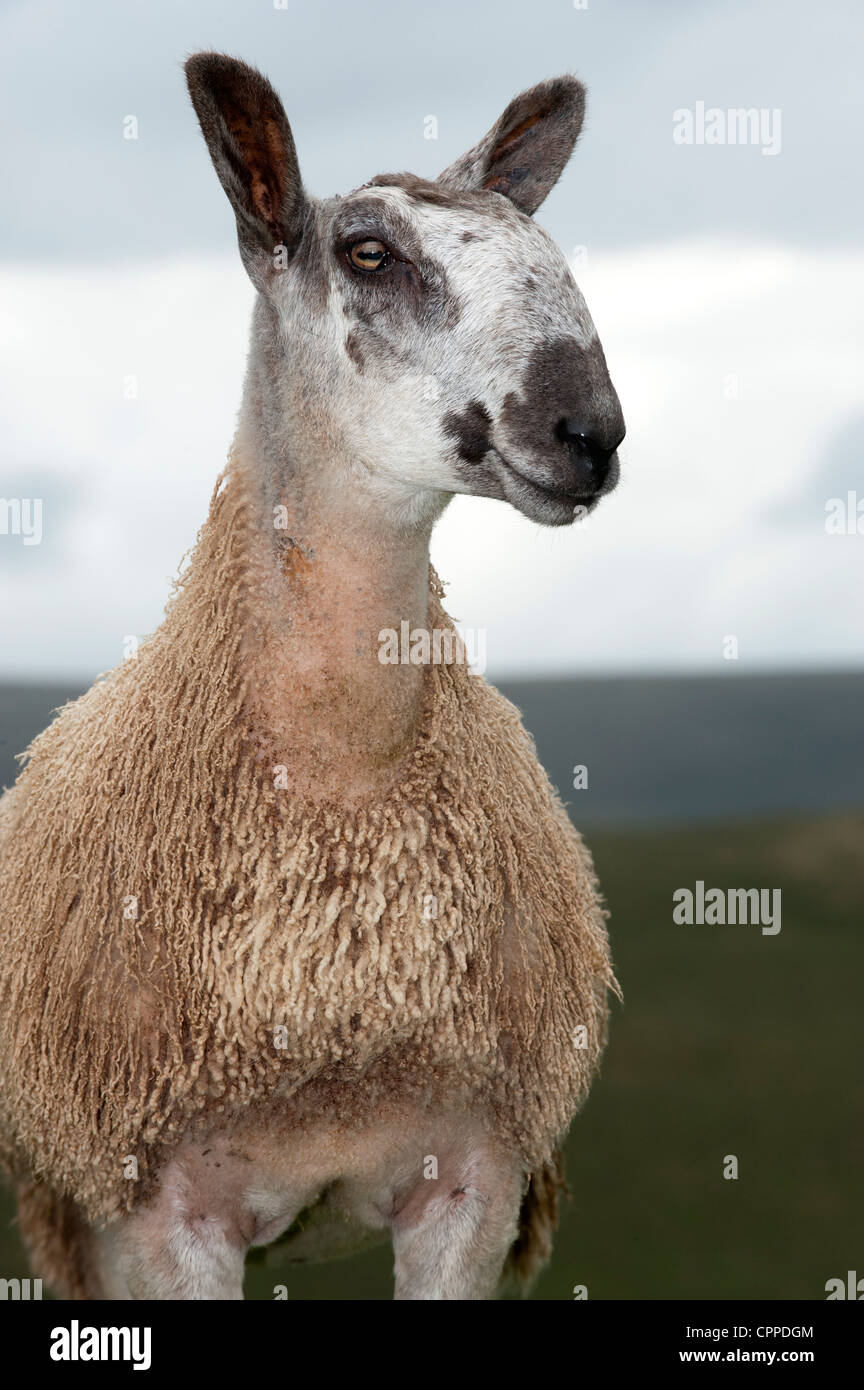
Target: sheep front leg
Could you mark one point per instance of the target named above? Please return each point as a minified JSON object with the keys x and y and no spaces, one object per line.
{"x":190,"y":1240}
{"x":187,"y":1257}
{"x":452,"y":1234}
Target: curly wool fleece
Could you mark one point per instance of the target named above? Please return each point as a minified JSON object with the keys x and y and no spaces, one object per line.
{"x":166,"y":908}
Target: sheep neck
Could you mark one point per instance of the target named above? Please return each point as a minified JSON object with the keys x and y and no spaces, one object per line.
{"x":332,"y":579}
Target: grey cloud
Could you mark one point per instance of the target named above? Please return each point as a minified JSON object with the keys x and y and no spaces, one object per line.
{"x":358,"y":84}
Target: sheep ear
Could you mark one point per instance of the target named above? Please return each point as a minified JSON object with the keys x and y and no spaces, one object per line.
{"x":252,"y":148}
{"x":525,"y":152}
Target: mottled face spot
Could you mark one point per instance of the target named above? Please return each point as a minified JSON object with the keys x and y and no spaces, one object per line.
{"x":354,"y":350}
{"x":471,"y":429}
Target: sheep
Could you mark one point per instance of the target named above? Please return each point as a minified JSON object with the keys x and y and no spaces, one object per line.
{"x":284,"y":925}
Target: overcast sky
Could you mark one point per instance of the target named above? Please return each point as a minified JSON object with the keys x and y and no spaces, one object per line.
{"x":727,"y":285}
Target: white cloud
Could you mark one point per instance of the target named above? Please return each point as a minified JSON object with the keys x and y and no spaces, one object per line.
{"x":694,"y":545}
{"x":133,"y":476}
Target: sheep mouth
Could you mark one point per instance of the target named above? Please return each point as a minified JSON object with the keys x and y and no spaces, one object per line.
{"x":542,"y":500}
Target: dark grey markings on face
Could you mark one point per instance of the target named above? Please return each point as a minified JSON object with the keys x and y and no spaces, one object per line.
{"x":439,"y":195}
{"x":355,"y":350}
{"x":471,"y":428}
{"x":563,"y":381}
{"x":386,"y":308}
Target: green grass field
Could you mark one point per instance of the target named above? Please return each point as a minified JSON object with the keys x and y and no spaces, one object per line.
{"x":728,"y":1042}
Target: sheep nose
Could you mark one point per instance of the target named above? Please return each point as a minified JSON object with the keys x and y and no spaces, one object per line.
{"x":590,"y":450}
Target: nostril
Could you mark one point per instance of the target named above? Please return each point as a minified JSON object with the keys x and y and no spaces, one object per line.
{"x":587,"y":452}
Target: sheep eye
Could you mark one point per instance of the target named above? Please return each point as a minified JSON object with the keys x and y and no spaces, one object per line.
{"x":369,"y":255}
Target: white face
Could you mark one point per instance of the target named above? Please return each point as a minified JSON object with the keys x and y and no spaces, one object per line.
{"x":439,"y":337}
{"x":431,"y":338}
